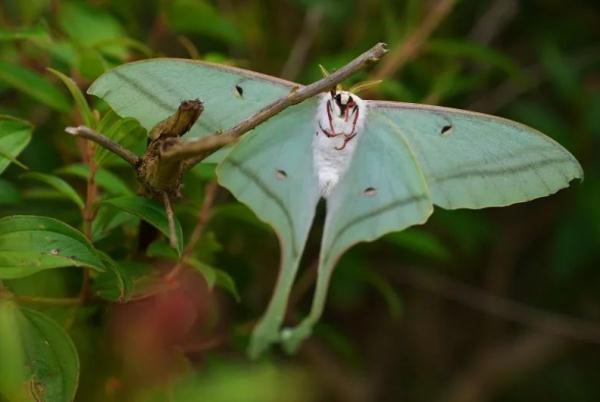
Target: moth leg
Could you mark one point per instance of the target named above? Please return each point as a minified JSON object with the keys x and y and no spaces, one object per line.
{"x":329,"y":134}
{"x":347,"y":139}
{"x":267,"y":331}
{"x":292,"y":337}
{"x":356,"y":113}
{"x":329,"y":117}
{"x":353,"y":132}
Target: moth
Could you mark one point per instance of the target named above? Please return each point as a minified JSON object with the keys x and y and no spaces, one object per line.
{"x":381,"y":166}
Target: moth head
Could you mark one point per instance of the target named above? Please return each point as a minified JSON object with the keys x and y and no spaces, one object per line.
{"x":342,"y":100}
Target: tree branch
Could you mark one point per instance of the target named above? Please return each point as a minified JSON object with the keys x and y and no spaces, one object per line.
{"x":203,"y":218}
{"x":88,"y":133}
{"x":170,"y":219}
{"x":495,"y":367}
{"x":308,"y":34}
{"x":413,"y":44}
{"x":200,"y":148}
{"x":50,"y":301}
{"x":548,"y":322}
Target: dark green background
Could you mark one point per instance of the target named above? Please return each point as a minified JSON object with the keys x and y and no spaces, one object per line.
{"x":451,"y":311}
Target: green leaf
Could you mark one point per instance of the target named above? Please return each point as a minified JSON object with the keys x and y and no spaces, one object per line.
{"x":30,"y":244}
{"x":161,"y":249}
{"x":50,"y":361}
{"x":15,"y":134}
{"x":118,"y":283}
{"x":37,"y":34}
{"x":80,"y":101}
{"x":115,"y":283}
{"x":34,"y":85}
{"x":150,"y":211}
{"x":225,"y":281}
{"x":204,"y":171}
{"x":89,"y":27}
{"x":203,"y":18}
{"x":9,"y":195}
{"x":127,"y":132}
{"x":419,"y":242}
{"x":386,"y":290}
{"x":109,"y":218}
{"x":91,"y":63}
{"x":455,"y":48}
{"x":59,"y":184}
{"x":215,"y":276}
{"x":563,"y":75}
{"x":205,"y":270}
{"x":12,"y":363}
{"x":106,"y":179}
{"x":259,"y":382}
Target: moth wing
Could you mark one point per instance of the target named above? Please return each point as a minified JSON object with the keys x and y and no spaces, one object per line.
{"x":473,"y":160}
{"x":271,"y":171}
{"x":384,"y":190}
{"x":151,"y":90}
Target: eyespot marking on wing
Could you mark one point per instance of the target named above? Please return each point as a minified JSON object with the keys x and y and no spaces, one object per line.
{"x":238,"y":91}
{"x":281,"y":174}
{"x":446,"y":130}
{"x":370,"y":191}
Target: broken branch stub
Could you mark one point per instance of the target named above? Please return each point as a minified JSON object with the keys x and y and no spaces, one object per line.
{"x":179,"y":123}
{"x":160,"y":174}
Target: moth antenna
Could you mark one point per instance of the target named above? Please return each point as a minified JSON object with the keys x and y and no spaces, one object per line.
{"x":326,"y":73}
{"x":324,"y":70}
{"x":361,"y":86}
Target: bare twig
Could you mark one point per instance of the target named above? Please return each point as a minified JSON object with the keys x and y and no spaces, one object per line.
{"x":410,"y":47}
{"x":489,"y":26}
{"x":209,"y":198}
{"x":50,"y":301}
{"x":88,"y":133}
{"x":544,"y":321}
{"x":203,"y":217}
{"x":88,"y":213}
{"x":170,"y":219}
{"x":91,"y":189}
{"x":494,"y":20}
{"x":512,"y":88}
{"x":305,"y":39}
{"x":189,"y":46}
{"x":343,"y":381}
{"x":497,"y":366}
{"x":198,"y":149}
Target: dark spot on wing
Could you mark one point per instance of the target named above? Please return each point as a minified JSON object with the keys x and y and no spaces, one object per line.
{"x":268,"y":192}
{"x":281,"y":174}
{"x":446,"y":129}
{"x":370,"y":191}
{"x":239,"y":90}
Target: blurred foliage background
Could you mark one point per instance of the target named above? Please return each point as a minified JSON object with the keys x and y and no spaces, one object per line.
{"x":492,"y":305}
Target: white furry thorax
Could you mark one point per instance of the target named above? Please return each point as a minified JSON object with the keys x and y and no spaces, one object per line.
{"x":332,"y":154}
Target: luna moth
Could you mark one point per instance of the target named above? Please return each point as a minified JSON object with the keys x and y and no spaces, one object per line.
{"x":381,"y":166}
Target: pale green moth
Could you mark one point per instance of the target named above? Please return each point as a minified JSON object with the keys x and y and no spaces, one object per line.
{"x":381,"y":166}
